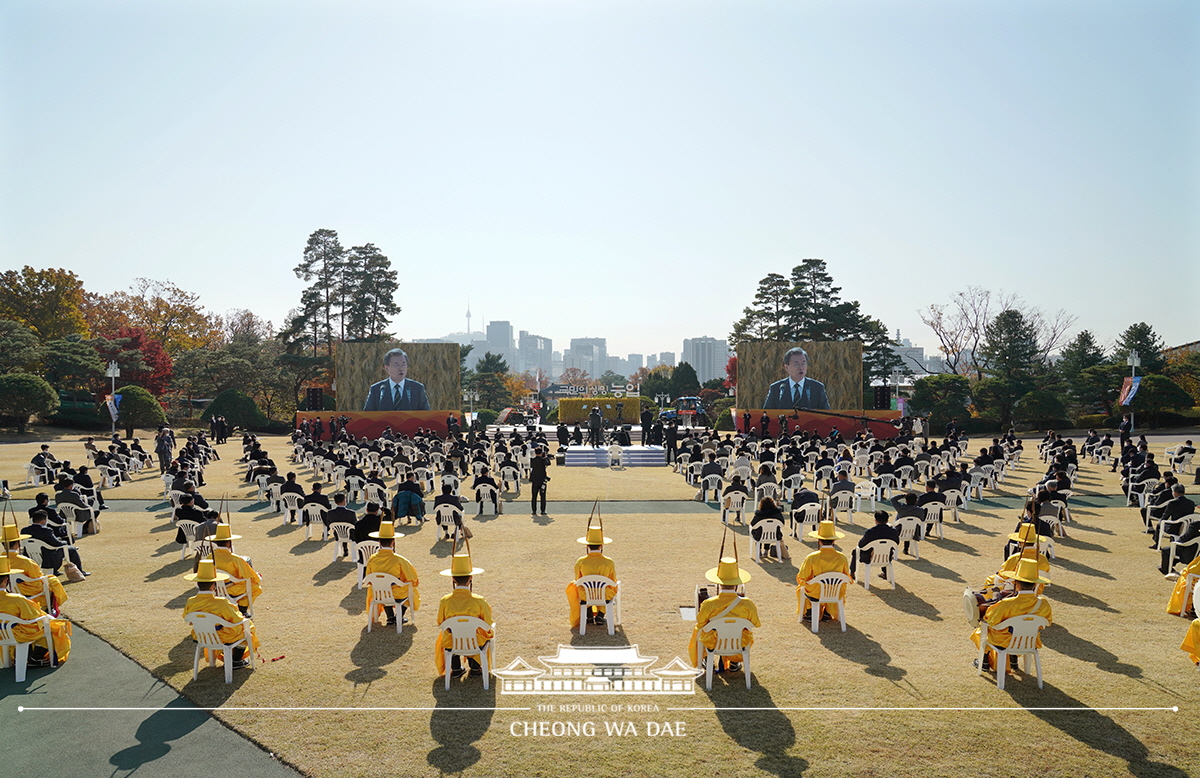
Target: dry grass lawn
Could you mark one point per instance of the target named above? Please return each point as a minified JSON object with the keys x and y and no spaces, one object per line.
{"x":905,"y":651}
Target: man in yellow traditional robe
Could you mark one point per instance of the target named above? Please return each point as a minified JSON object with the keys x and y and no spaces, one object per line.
{"x":30,"y":569}
{"x":238,"y":567}
{"x":386,"y":560}
{"x":1175,"y":604}
{"x":1025,"y":601}
{"x":1191,"y":641}
{"x":727,"y":604}
{"x":25,"y":609}
{"x":594,"y":563}
{"x":207,"y":601}
{"x":462,"y":602}
{"x":826,"y":559}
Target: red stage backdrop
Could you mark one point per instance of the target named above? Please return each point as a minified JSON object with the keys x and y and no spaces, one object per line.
{"x":371,"y":424}
{"x":822,"y":424}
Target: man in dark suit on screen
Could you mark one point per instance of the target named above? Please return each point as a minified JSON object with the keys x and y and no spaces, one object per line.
{"x":796,"y":391}
{"x":397,"y":392}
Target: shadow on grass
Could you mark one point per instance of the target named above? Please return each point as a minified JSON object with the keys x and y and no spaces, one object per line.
{"x":597,"y":635}
{"x":156,"y":732}
{"x":355,"y":603}
{"x":334,"y":571}
{"x":305,"y":547}
{"x":455,"y":729}
{"x":1057,"y":637}
{"x":784,"y":570}
{"x":283,"y":529}
{"x":170,"y":525}
{"x":166,"y":548}
{"x":906,"y":601}
{"x":857,"y":646}
{"x":936,"y":570}
{"x":1071,"y":597}
{"x":1073,"y":542}
{"x":1076,"y":527}
{"x":177,"y":602}
{"x":179,"y":658}
{"x":946,"y":544}
{"x":767,"y":732}
{"x":1076,"y":567}
{"x":172,"y":569}
{"x":376,"y":649}
{"x":972,"y":529}
{"x":543,"y":521}
{"x":1091,"y":728}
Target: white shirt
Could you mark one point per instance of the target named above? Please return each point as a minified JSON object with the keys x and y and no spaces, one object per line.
{"x":396,"y":389}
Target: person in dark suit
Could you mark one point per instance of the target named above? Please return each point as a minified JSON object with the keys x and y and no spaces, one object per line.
{"x":52,"y":558}
{"x":796,"y":391}
{"x":396,"y":392}
{"x":880,"y":531}
{"x":340,"y":512}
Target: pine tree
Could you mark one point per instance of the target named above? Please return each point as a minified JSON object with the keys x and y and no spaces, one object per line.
{"x":1141,"y":338}
{"x":371,"y":286}
{"x":323,"y":303}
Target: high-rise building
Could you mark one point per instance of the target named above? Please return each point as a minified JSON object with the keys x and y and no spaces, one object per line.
{"x":535,"y":353}
{"x":635,"y":362}
{"x":707,"y":356}
{"x":667,"y":358}
{"x":587,"y":354}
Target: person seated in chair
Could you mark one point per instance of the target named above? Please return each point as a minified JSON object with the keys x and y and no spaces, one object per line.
{"x":339,"y":513}
{"x":727,"y":603}
{"x":594,"y":563}
{"x":483,"y":479}
{"x":206,"y":600}
{"x":237,"y":567}
{"x":880,"y":531}
{"x":369,"y":523}
{"x":65,"y":494}
{"x":46,"y":464}
{"x":462,"y":601}
{"x":52,"y":558}
{"x":386,"y":560}
{"x":767,"y":509}
{"x":31,"y":569}
{"x":409,"y":501}
{"x":1025,"y":600}
{"x":26,"y":610}
{"x":826,"y":559}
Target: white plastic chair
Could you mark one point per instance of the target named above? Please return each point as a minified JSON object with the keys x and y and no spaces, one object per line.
{"x":592,"y":590}
{"x":614,"y":455}
{"x":934,"y":511}
{"x":291,"y":506}
{"x":823,"y":474}
{"x":510,"y":475}
{"x":19,"y":578}
{"x":7,"y":639}
{"x":1173,"y":548}
{"x":382,"y":595}
{"x":771,"y":536}
{"x":734,"y":502}
{"x":313,"y":516}
{"x":712,"y":482}
{"x":222,"y":589}
{"x":843,"y":501}
{"x":362,"y":554}
{"x":444,"y":517}
{"x":792,"y":484}
{"x":766,"y":490}
{"x":1023,"y":642}
{"x":884,"y":482}
{"x":262,"y":487}
{"x":486,"y":494}
{"x":807,"y":515}
{"x":205,"y":626}
{"x":36,"y":476}
{"x":354,"y":489}
{"x":465,"y":642}
{"x":831,"y":584}
{"x":342,"y":532}
{"x":375,"y":493}
{"x":954,"y":498}
{"x":883,"y":554}
{"x":729,"y":643}
{"x":910,"y":528}
{"x":188,"y":528}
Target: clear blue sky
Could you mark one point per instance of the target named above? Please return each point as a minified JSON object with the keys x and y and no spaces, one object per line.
{"x":619,"y":169}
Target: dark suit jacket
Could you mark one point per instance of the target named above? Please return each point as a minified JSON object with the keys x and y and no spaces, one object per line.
{"x":379,"y":397}
{"x":778,"y":395}
{"x":51,"y":560}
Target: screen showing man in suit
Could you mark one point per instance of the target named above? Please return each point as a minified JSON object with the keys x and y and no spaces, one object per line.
{"x":796,"y":390}
{"x":397,"y":392}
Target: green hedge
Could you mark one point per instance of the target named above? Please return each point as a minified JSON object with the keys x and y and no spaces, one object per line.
{"x":725,"y":420}
{"x":238,"y":409}
{"x":487,"y":416}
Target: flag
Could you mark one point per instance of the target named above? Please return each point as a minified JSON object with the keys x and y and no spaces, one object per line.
{"x":1129,"y":389}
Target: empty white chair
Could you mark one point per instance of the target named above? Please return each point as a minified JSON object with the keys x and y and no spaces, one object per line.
{"x":614,"y":455}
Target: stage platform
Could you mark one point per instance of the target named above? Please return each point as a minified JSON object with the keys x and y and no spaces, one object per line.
{"x":631,"y":456}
